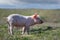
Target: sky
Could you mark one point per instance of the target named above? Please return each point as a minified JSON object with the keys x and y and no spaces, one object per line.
{"x":40,"y":4}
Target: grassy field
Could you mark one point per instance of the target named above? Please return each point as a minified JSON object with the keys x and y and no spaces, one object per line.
{"x":49,"y":30}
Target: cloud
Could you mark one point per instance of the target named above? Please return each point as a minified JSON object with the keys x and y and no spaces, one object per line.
{"x":10,"y":2}
{"x":19,"y":2}
{"x":41,"y":1}
{"x":5,"y":2}
{"x":29,"y":3}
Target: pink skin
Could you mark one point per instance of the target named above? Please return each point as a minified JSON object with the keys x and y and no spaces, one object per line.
{"x":16,"y":20}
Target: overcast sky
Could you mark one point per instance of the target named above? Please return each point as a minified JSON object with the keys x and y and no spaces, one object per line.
{"x":42,"y":4}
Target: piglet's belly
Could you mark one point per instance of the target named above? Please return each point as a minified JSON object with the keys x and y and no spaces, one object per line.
{"x":18,"y":24}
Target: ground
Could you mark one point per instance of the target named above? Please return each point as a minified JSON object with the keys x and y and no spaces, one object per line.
{"x":49,"y":30}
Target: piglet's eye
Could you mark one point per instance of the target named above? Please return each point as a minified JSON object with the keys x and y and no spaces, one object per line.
{"x":37,"y":18}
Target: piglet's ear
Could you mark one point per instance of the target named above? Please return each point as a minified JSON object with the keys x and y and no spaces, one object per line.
{"x":35,"y":15}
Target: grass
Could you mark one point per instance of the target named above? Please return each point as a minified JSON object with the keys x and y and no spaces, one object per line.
{"x":50,"y":30}
{"x":38,"y":32}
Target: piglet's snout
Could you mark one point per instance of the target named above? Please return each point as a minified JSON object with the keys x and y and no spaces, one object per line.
{"x":41,"y":21}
